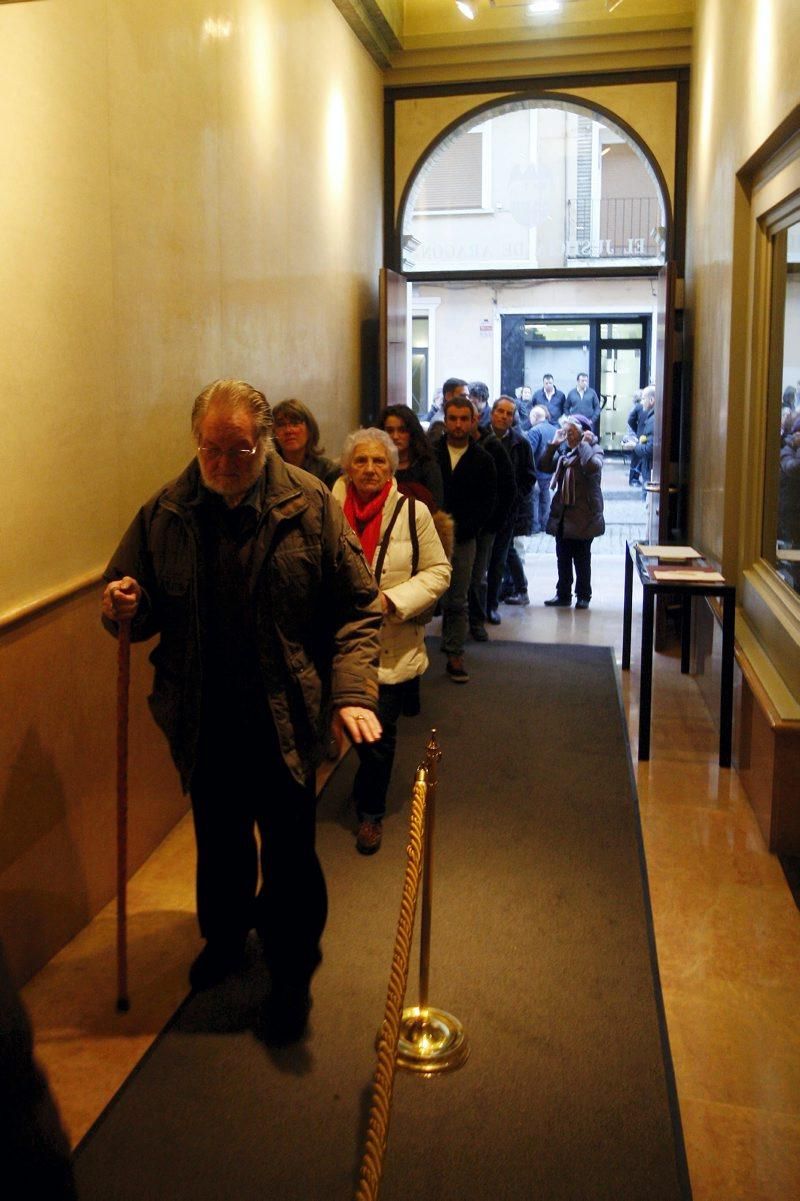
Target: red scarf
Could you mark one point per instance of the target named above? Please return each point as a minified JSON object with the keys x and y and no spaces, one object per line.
{"x":365,"y":518}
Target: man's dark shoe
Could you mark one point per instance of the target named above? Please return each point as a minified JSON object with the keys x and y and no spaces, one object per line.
{"x":457,"y":671}
{"x":368,"y":839}
{"x":520,"y":598}
{"x":216,"y":961}
{"x":582,"y":603}
{"x":559,"y":602}
{"x":493,"y":617}
{"x":284,"y":1018}
{"x":479,"y":633}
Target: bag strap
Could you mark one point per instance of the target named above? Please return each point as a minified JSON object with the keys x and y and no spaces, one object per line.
{"x":412,"y":529}
{"x":385,"y":540}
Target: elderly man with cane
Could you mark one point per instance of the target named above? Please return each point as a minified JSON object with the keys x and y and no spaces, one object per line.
{"x":268,"y":618}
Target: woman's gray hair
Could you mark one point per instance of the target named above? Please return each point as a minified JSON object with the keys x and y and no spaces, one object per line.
{"x":354,"y":440}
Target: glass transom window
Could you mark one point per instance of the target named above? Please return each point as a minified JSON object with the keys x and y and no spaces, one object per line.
{"x":538,"y":185}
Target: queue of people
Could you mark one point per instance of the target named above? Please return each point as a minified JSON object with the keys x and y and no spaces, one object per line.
{"x":288,"y":590}
{"x":276,"y":610}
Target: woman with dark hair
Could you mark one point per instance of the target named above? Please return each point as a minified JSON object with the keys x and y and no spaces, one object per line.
{"x":297,"y":439}
{"x":418,"y":473}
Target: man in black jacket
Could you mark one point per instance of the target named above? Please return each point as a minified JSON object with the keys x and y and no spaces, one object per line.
{"x":518,"y":521}
{"x":470,"y":484}
{"x":267,"y":616}
{"x":584,"y":401}
{"x":551,"y":397}
{"x":483,"y":599}
{"x":642,"y":452}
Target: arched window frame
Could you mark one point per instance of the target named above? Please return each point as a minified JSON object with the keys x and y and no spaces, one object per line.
{"x":542,"y":100}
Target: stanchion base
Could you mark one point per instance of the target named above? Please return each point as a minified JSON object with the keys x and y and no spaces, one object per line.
{"x":431,"y":1041}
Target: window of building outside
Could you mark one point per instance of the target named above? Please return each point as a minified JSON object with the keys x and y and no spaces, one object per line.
{"x":419,"y":364}
{"x":782,"y":545}
{"x":540,"y":185}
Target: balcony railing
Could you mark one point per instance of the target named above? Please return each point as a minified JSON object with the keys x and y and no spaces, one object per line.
{"x":614,"y":227}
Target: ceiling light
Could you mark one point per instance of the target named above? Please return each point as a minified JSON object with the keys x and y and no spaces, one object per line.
{"x":544,"y":6}
{"x":465,"y":9}
{"x":612,"y":4}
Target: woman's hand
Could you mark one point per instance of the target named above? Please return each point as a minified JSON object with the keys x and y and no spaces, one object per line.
{"x":387,"y":605}
{"x":559,"y":436}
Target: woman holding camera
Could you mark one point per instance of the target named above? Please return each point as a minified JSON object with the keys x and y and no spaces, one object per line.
{"x":576,"y":511}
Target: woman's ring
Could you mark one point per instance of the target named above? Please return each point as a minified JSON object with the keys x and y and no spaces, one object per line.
{"x":360,"y":717}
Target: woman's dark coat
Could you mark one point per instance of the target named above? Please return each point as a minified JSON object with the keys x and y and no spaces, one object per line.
{"x":584,"y":518}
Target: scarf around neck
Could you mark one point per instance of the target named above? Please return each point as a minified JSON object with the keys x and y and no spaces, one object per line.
{"x":365,"y":517}
{"x":564,"y":476}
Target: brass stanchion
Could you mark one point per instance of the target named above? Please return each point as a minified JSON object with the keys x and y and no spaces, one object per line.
{"x":431,"y":1040}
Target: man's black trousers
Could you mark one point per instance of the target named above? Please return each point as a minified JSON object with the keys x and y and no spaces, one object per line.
{"x":239,"y":786}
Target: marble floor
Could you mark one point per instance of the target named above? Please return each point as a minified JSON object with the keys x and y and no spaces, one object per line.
{"x":727,"y":933}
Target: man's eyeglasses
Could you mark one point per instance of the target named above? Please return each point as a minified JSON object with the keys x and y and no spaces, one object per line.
{"x":239,"y":454}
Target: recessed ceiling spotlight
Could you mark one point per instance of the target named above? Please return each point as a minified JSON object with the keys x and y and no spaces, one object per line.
{"x":465,"y":9}
{"x":544,"y":6}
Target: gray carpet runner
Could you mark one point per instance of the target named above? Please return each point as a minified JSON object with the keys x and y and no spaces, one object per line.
{"x":542,"y":945}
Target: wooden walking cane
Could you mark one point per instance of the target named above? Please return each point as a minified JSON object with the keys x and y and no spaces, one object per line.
{"x":123,"y":684}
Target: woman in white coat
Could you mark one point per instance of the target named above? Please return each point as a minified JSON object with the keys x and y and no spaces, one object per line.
{"x":401,"y":545}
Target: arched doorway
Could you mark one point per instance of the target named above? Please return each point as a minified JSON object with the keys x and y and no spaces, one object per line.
{"x":533,"y":232}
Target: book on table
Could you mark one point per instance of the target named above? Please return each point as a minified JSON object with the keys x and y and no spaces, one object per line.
{"x":669,"y":554}
{"x":687,"y":575}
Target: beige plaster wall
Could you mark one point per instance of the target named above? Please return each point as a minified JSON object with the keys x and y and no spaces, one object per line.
{"x":728,"y":124}
{"x":179,"y":200}
{"x":58,"y":778}
{"x":648,"y":108}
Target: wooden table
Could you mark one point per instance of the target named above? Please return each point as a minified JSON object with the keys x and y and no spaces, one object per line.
{"x":687,"y":590}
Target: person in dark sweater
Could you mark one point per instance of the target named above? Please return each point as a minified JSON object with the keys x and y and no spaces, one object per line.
{"x":482,"y":606}
{"x":505,"y":559}
{"x":470,"y":484}
{"x":584,"y":401}
{"x":551,"y":397}
{"x":540,"y":435}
